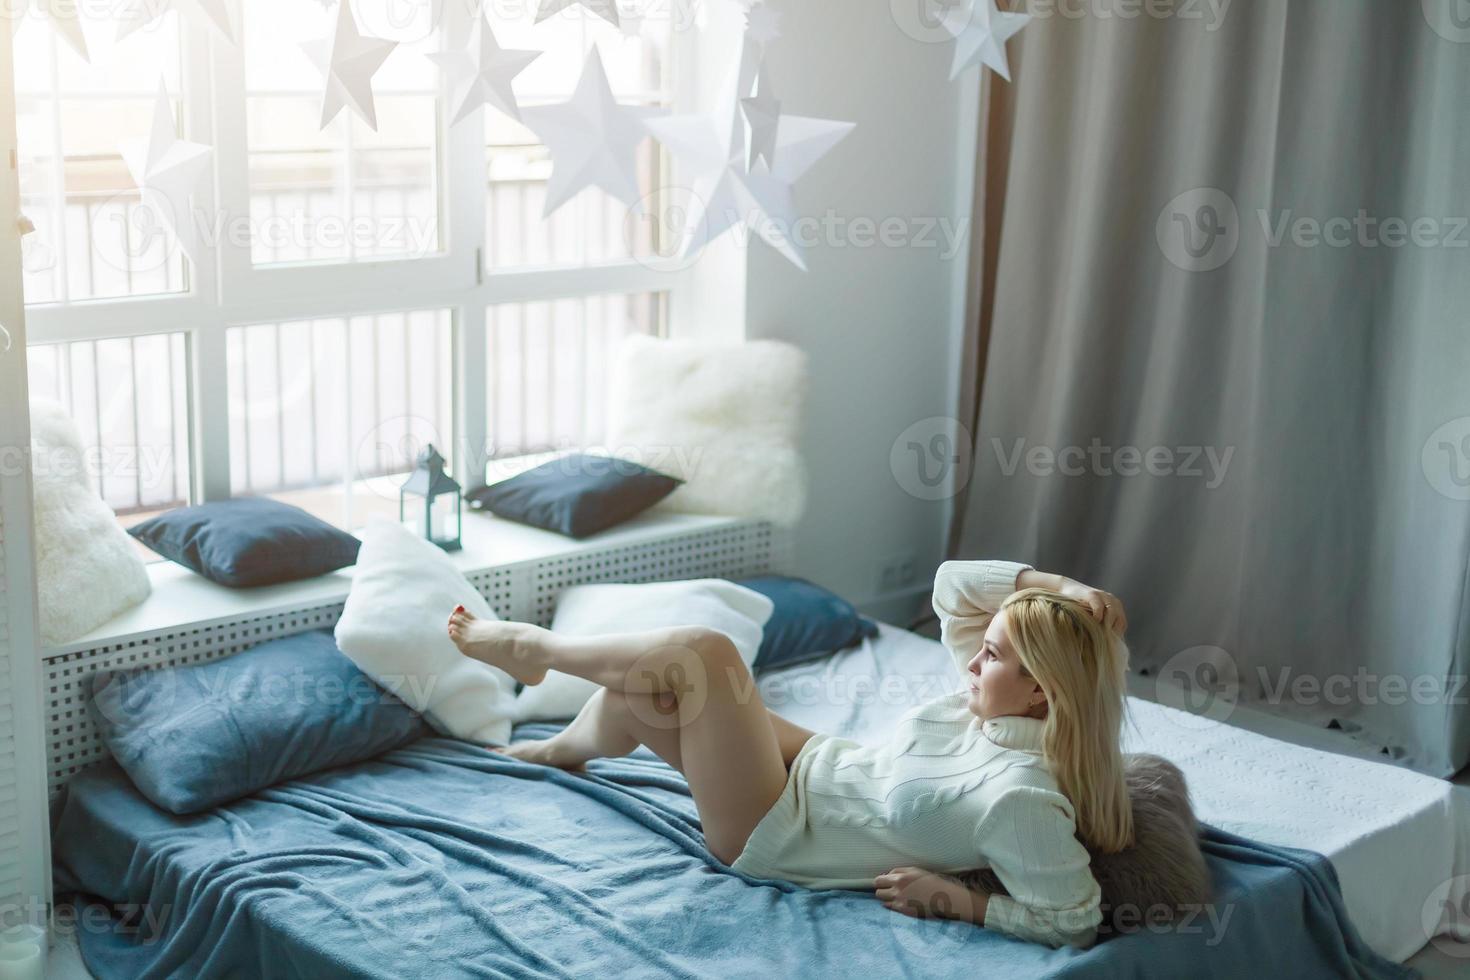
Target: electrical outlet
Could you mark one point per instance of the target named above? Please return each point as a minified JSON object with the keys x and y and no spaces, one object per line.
{"x":896,"y":572}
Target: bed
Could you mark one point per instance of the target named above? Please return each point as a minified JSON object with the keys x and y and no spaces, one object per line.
{"x":441,"y":859}
{"x":1393,"y":836}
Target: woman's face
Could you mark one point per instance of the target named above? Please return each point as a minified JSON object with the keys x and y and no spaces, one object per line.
{"x":998,"y":685}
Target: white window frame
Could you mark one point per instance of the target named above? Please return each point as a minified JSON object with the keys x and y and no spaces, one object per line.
{"x":231,"y":291}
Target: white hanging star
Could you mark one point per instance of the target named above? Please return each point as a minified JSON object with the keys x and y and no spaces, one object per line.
{"x":65,"y":18}
{"x":166,"y":170}
{"x":631,"y":23}
{"x":606,"y":9}
{"x":763,"y":113}
{"x":349,"y":64}
{"x":724,"y":193}
{"x":482,"y":71}
{"x":981,"y":36}
{"x":593,"y":140}
{"x":762,"y":24}
{"x":135,"y":15}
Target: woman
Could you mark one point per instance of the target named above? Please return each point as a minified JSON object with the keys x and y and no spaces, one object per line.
{"x":1006,"y":774}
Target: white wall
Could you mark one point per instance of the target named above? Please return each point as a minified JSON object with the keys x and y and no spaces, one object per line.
{"x":877,"y":322}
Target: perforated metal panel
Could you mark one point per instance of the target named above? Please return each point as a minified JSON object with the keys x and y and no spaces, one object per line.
{"x":72,"y":742}
{"x":720,"y":553}
{"x":11,"y":884}
{"x":524,"y":591}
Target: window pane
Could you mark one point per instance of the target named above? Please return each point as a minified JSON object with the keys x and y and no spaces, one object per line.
{"x":129,"y":399}
{"x":329,"y":414}
{"x":549,"y":365}
{"x":345,"y":192}
{"x":93,"y":239}
{"x":592,"y":227}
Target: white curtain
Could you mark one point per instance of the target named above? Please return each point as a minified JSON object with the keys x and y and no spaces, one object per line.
{"x":1258,"y":434}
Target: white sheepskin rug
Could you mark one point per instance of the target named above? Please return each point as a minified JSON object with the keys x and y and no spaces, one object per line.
{"x":87,"y":570}
{"x":724,"y":418}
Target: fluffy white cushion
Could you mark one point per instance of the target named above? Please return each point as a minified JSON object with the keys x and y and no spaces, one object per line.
{"x":724,"y":418}
{"x":590,"y":610}
{"x":395,"y":628}
{"x":87,"y":569}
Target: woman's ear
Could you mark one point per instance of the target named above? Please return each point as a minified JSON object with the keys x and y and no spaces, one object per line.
{"x":1039,"y":705}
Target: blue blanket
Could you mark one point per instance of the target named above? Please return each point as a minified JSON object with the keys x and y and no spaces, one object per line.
{"x":441,"y":859}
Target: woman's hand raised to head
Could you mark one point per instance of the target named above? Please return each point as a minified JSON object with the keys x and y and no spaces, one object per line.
{"x":1106,"y":607}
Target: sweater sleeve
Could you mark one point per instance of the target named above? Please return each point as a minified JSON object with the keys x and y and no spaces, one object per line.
{"x":967,"y":595}
{"x":1029,"y":838}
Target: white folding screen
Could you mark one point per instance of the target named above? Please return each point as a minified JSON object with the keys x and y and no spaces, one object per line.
{"x":24,"y":845}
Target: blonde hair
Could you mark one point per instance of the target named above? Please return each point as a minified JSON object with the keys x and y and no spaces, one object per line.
{"x":1081,"y":667}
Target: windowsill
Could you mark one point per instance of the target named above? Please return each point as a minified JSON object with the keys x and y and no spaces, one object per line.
{"x":183,"y":598}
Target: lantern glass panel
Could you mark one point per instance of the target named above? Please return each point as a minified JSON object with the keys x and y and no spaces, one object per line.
{"x":444,"y":519}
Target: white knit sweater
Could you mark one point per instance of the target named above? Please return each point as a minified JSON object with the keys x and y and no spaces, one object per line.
{"x":946,"y":793}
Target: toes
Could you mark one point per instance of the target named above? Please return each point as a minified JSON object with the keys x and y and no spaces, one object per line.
{"x":459,"y":621}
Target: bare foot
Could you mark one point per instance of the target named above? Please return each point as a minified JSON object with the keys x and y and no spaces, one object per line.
{"x":519,"y":649}
{"x":544,"y":752}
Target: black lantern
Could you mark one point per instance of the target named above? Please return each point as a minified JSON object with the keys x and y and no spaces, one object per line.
{"x":429,"y":502}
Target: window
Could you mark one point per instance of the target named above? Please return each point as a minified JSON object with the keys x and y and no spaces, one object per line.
{"x":129,"y":399}
{"x":92,"y":239}
{"x":366,"y":309}
{"x":547,"y":366}
{"x":322,"y":411}
{"x":342,"y":193}
{"x":594,"y":227}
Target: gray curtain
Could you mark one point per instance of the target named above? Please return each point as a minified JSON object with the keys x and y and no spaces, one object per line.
{"x":1321,"y":552}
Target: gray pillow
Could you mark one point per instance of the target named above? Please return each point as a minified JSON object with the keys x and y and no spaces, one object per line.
{"x":1163,"y":875}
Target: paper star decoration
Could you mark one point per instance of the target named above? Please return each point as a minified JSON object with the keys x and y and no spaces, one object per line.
{"x":349,"y":64}
{"x":981,"y":36}
{"x":135,"y":15}
{"x":763,"y":114}
{"x":593,"y":140}
{"x":482,"y":71}
{"x":606,"y":9}
{"x":762,"y":25}
{"x":166,"y":170}
{"x":724,"y":193}
{"x":631,"y":23}
{"x":68,"y":23}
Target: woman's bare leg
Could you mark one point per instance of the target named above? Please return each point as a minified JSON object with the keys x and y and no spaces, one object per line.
{"x":609,"y":726}
{"x":684,"y":692}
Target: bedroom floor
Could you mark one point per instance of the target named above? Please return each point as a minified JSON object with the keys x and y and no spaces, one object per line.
{"x":64,"y":962}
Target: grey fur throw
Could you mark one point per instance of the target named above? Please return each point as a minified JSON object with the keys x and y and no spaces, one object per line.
{"x":1163,"y":876}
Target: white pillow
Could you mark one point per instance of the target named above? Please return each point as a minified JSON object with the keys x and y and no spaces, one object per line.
{"x":87,"y":569}
{"x":724,"y":418}
{"x":590,"y":610}
{"x":395,"y":628}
